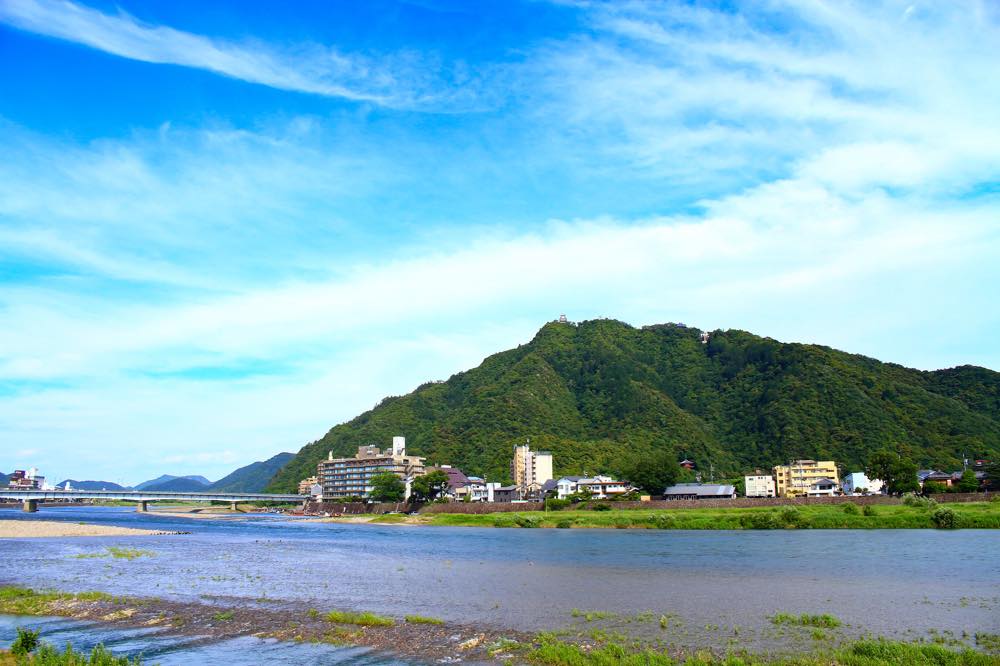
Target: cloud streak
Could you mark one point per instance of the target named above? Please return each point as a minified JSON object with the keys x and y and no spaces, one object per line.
{"x":401,"y":81}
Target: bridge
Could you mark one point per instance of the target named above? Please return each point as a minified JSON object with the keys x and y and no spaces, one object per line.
{"x":31,"y":497}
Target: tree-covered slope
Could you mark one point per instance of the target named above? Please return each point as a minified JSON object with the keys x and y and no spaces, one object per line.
{"x":602,"y":393}
{"x":253,"y":478}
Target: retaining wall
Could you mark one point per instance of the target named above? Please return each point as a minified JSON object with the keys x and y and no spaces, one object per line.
{"x":739,"y":503}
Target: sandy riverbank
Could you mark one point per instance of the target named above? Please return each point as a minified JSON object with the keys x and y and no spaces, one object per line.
{"x":27,"y":529}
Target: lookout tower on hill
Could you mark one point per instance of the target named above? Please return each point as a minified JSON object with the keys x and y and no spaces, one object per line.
{"x":563,"y":320}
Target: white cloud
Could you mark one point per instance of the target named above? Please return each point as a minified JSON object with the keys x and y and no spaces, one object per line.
{"x":397,"y":81}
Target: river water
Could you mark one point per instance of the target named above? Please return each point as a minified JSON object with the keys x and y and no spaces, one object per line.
{"x":898,"y":583}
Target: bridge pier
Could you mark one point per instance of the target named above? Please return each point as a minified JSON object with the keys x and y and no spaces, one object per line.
{"x":30,"y":506}
{"x":142,"y":506}
{"x":232,"y":505}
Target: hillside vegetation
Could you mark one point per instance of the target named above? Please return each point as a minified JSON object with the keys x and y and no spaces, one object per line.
{"x":253,"y":478}
{"x":600,"y":393}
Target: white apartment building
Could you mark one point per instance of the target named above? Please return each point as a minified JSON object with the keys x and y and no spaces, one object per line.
{"x":858,"y":483}
{"x":759,"y":485}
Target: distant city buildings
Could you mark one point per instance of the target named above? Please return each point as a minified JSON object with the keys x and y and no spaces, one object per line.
{"x":306,"y":485}
{"x":26,"y":480}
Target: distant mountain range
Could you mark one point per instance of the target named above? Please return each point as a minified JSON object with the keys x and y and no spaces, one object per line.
{"x":4,"y":479}
{"x":90,"y":485}
{"x":603,"y":396}
{"x":177,"y":484}
{"x":254,"y":477}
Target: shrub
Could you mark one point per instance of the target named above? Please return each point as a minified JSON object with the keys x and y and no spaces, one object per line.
{"x":526,"y":521}
{"x":621,"y":523}
{"x":869,"y":510}
{"x":663,"y":521}
{"x":944,"y":519}
{"x":554,"y":504}
{"x":501,"y":520}
{"x":26,"y":641}
{"x":791,"y":517}
{"x":764,"y":520}
{"x":851,"y":509}
{"x":602,"y":507}
{"x":564,"y":524}
{"x":918,"y":502}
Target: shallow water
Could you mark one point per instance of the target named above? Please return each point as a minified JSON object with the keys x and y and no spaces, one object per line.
{"x":888,"y":582}
{"x":171,"y":650}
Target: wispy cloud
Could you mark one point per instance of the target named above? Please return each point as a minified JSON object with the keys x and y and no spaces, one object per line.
{"x":394,"y":80}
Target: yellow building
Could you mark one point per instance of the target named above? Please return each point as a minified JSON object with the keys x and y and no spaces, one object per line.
{"x":804,"y":477}
{"x":530,"y":469}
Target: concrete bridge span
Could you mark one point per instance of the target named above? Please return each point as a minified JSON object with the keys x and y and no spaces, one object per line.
{"x":31,"y":498}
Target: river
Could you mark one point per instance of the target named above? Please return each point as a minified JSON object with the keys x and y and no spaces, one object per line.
{"x":897,"y":583}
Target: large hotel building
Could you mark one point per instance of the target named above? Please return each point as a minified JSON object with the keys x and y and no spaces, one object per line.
{"x":351,"y":477}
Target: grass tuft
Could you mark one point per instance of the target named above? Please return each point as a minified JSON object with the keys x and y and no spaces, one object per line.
{"x":362,"y":619}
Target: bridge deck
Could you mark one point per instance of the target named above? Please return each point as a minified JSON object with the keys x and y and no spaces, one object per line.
{"x":144,"y":496}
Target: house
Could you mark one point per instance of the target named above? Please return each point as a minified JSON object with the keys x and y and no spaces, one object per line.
{"x":857,"y":483}
{"x":699,"y":491}
{"x":506,"y":494}
{"x":758,"y":485}
{"x":822,"y":488}
{"x":944,"y":478}
{"x":599,"y":487}
{"x":797,"y":478}
{"x":686,"y":464}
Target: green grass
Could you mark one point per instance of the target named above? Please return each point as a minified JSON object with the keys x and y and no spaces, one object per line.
{"x":389,"y":518}
{"x":550,"y":651}
{"x":806,"y":620}
{"x":25,"y":601}
{"x":830,"y":516}
{"x":420,"y":619}
{"x":363,"y":619}
{"x":223,"y":616}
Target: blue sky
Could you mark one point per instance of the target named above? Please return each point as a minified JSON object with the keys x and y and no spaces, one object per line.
{"x":226,"y":227}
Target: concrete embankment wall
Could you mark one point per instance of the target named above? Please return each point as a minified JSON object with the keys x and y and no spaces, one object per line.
{"x":739,"y":503}
{"x":353,"y":508}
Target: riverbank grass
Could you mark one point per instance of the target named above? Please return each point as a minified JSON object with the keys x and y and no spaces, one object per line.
{"x":971,"y":515}
{"x":364,"y":619}
{"x":550,"y":651}
{"x":25,"y":601}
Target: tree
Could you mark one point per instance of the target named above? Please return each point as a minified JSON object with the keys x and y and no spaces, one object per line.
{"x":428,"y":487}
{"x":899,"y":474}
{"x":387,"y":487}
{"x":653,"y":473}
{"x":968,"y":483}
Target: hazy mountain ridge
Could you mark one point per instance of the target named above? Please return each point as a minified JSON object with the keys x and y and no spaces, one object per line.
{"x":91,"y":485}
{"x":602,"y":391}
{"x":170,"y":483}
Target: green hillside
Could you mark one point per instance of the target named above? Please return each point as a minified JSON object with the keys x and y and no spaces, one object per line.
{"x":600,"y":393}
{"x":254,"y":477}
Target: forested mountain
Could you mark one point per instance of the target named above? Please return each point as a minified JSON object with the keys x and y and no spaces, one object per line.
{"x":601,"y":393}
{"x":253,"y":478}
